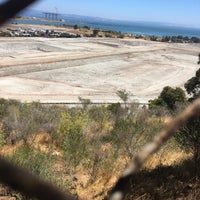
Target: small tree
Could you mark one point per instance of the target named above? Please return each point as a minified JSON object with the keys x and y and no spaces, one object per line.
{"x":123,"y":95}
{"x":115,"y":109}
{"x":169,"y":97}
{"x":95,"y":32}
{"x":75,"y":26}
{"x":172,"y":96}
{"x":85,"y":102}
{"x":199,"y":59}
{"x":192,"y":86}
{"x":189,"y":136}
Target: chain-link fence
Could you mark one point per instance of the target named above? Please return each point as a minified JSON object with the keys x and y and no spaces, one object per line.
{"x":33,"y":186}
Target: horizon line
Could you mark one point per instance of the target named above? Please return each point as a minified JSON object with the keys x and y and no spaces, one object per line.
{"x":170,"y":24}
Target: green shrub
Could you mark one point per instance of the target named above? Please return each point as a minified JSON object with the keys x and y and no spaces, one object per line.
{"x":100,"y":116}
{"x":188,"y":138}
{"x":95,"y":33}
{"x":114,"y":108}
{"x":169,"y":97}
{"x":36,"y":161}
{"x":125,"y":135}
{"x":75,"y":26}
{"x":2,"y":139}
{"x":129,"y":134}
{"x":100,"y":159}
{"x":72,"y":139}
{"x":41,"y":164}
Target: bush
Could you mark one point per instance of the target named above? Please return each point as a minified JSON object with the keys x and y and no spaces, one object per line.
{"x":169,"y":97}
{"x":125,"y":136}
{"x":100,"y":116}
{"x":21,"y":120}
{"x":100,"y":158}
{"x":189,"y":138}
{"x":41,"y":164}
{"x":4,"y":105}
{"x":95,"y":32}
{"x":71,"y":136}
{"x":75,"y":26}
{"x":192,"y":86}
{"x":2,"y":139}
{"x":36,"y":161}
{"x":114,"y":108}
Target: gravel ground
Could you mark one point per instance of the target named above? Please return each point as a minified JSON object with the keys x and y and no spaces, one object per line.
{"x":61,"y":70}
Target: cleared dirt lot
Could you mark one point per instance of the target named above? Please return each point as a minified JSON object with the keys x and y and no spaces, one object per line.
{"x":61,"y":70}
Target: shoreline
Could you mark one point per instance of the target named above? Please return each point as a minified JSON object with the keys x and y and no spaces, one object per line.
{"x":87,"y":31}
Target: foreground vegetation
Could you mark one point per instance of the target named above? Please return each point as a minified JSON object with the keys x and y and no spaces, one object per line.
{"x":84,"y":149}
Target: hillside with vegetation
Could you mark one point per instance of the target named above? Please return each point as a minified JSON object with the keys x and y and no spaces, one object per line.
{"x":84,"y":149}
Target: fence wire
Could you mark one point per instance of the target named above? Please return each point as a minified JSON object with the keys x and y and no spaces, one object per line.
{"x":10,"y":8}
{"x":23,"y":181}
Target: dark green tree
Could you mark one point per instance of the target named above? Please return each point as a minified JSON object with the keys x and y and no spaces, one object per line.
{"x":172,"y":96}
{"x":75,"y":26}
{"x":192,"y":86}
{"x":95,"y":32}
{"x":189,"y":136}
{"x":169,"y":97}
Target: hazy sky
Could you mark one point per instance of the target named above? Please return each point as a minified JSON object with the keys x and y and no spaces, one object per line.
{"x":184,"y":12}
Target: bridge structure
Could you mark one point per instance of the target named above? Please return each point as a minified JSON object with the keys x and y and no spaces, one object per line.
{"x":51,"y":15}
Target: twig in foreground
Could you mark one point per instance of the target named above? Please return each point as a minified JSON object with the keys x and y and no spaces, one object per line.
{"x":22,"y":180}
{"x":119,"y":190}
{"x":10,"y":8}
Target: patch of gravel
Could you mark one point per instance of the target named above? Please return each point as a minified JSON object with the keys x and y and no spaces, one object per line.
{"x":55,"y":70}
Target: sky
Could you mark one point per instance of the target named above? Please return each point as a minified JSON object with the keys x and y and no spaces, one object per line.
{"x":179,"y":12}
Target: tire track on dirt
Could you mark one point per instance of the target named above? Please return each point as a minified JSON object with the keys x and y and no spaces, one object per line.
{"x":56,"y":61}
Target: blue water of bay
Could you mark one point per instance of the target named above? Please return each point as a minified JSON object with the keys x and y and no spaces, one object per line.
{"x":141,"y":28}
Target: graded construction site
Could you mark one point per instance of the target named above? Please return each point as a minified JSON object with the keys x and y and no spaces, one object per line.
{"x":59,"y":70}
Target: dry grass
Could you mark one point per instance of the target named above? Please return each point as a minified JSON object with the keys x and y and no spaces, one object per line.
{"x":98,"y":189}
